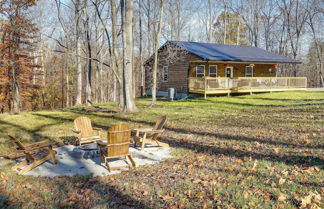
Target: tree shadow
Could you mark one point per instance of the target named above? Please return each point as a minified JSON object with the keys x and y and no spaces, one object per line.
{"x":260,"y":175}
{"x":306,"y":161}
{"x":291,"y":160}
{"x":87,"y":188}
{"x":185,"y":131}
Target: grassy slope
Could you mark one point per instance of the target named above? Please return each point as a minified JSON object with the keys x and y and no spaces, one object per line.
{"x":261,"y":151}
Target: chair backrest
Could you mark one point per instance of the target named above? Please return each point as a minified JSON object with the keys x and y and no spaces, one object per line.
{"x":83,"y":124}
{"x":118,"y":140}
{"x":159,"y":126}
{"x":160,"y":123}
{"x":19,"y":145}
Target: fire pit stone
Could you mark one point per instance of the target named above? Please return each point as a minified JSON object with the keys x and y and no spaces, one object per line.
{"x":87,"y":151}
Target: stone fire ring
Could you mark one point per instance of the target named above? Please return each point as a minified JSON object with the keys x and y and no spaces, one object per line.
{"x":86,"y":151}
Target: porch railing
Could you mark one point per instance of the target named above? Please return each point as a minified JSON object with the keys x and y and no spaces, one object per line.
{"x":212,"y":84}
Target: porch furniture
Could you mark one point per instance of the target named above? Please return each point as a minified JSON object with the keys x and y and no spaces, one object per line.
{"x":35,"y":154}
{"x":150,"y":135}
{"x":84,"y":128}
{"x":117,"y":146}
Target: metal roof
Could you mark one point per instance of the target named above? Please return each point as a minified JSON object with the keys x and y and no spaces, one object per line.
{"x":237,"y":53}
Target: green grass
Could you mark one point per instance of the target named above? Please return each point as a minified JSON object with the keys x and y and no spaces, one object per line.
{"x":230,"y":152}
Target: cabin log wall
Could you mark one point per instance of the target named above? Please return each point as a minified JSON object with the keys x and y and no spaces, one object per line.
{"x":259,"y":70}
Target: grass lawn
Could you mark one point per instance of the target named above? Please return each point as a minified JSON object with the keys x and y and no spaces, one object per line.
{"x":255,"y":151}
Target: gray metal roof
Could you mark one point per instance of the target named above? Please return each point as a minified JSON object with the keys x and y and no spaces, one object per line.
{"x":223,"y":52}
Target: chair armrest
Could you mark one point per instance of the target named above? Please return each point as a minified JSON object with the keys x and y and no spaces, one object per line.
{"x":98,"y":129}
{"x":37,"y":148}
{"x":142,"y":130}
{"x":153,"y":131}
{"x":101,"y":143}
{"x":75,"y":131}
{"x":37,"y":144}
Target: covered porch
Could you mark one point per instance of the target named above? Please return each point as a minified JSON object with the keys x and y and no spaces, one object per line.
{"x":225,"y":85}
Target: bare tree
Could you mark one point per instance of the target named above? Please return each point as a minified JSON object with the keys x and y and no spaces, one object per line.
{"x":77,"y":16}
{"x":295,"y":17}
{"x":127,"y":30}
{"x":313,"y":12}
{"x":156,"y":45}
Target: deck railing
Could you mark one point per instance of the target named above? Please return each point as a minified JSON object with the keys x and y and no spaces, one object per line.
{"x":245,"y":84}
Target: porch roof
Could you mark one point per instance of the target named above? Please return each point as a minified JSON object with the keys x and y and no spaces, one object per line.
{"x":237,"y":53}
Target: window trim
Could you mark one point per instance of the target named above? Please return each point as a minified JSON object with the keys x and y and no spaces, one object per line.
{"x":165,"y":73}
{"x":251,"y":69}
{"x":215,"y":72}
{"x":200,"y":73}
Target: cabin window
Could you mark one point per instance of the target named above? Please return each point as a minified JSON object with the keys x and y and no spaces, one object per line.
{"x":212,"y":70}
{"x":200,"y":71}
{"x":165,"y":73}
{"x":248,"y":71}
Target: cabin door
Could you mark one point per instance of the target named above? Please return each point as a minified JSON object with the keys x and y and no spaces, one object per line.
{"x":229,"y":72}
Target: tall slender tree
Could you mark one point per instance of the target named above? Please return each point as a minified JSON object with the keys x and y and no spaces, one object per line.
{"x":17,"y":50}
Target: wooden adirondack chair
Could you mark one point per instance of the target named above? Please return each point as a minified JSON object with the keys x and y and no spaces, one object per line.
{"x":85,"y":130}
{"x":117,"y":146}
{"x":35,"y":154}
{"x":150,"y":135}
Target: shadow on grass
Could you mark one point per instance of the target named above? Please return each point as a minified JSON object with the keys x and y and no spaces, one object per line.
{"x":298,"y":160}
{"x":72,"y":192}
{"x":3,"y":199}
{"x":290,"y":160}
{"x":264,"y":177}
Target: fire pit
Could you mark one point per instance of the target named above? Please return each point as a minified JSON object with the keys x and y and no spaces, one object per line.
{"x":87,"y":151}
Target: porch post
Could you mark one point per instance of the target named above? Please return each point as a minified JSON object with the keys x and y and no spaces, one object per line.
{"x":205,"y":91}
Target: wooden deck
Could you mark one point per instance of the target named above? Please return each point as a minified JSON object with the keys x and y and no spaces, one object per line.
{"x":221,"y":85}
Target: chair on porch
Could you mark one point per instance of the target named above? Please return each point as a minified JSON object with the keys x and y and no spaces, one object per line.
{"x":150,"y":135}
{"x":84,"y":128}
{"x":35,"y":154}
{"x":117,"y":146}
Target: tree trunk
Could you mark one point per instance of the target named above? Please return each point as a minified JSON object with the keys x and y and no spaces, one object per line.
{"x":156,"y":45}
{"x":89,"y":60}
{"x":141,"y":48}
{"x":115,"y":54}
{"x":78,"y":54}
{"x":67,"y":88}
{"x":127,"y":24}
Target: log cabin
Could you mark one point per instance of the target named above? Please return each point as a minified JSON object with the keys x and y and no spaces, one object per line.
{"x":215,"y":69}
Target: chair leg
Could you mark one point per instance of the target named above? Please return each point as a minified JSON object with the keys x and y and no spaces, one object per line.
{"x":136,"y":139}
{"x":34,"y":164}
{"x":143,"y":144}
{"x":107,"y":164}
{"x":143,"y":141}
{"x":161,"y":144}
{"x":156,"y":142}
{"x":52,"y":155}
{"x":132,"y":161}
{"x":22,"y":163}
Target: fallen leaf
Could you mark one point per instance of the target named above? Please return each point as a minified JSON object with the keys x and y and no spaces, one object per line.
{"x":282,"y":197}
{"x":304,"y":179}
{"x":196,"y":181}
{"x":166,"y":197}
{"x":229,"y":169}
{"x":200,"y":195}
{"x":306,"y":200}
{"x":189,"y":193}
{"x":280,"y":181}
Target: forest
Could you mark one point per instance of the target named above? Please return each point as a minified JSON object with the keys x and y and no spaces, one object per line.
{"x":62,"y":53}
